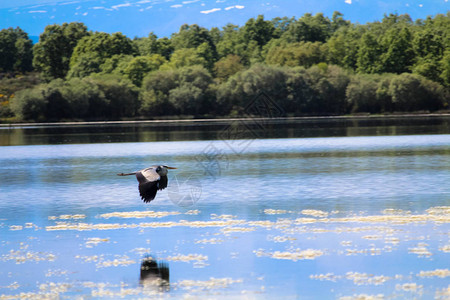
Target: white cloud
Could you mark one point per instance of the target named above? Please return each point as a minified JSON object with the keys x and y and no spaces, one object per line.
{"x":348,"y":1}
{"x":235,"y":6}
{"x":120,"y":5}
{"x":67,"y":3}
{"x":210,"y":11}
{"x":144,"y":1}
{"x":37,"y":11}
{"x":189,"y":2}
{"x":85,"y":14}
{"x":176,"y":6}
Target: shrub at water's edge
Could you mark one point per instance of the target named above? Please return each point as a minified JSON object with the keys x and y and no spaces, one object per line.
{"x":312,"y":65}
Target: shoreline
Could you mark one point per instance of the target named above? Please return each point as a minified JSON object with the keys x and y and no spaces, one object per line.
{"x":221,"y":120}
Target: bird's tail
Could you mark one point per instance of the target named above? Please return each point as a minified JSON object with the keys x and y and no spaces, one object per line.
{"x":126,"y":174}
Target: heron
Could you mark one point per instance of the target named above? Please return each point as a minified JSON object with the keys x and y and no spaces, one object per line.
{"x":150,"y":181}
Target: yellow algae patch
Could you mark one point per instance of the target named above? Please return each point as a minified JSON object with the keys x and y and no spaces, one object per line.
{"x":15,"y":227}
{"x":420,"y":250}
{"x":212,"y":283}
{"x":443,"y":293}
{"x":120,"y":261}
{"x":392,"y":211}
{"x":269,"y":211}
{"x":26,"y":256}
{"x":139,"y":214}
{"x":95,"y":241}
{"x":67,"y":217}
{"x":219,"y":223}
{"x":327,"y":277}
{"x":306,"y":220}
{"x":222,"y":217}
{"x":372,"y":237}
{"x":13,"y":286}
{"x":209,"y":241}
{"x":281,"y":238}
{"x":409,"y":287}
{"x":188,"y":257}
{"x":261,"y":223}
{"x":445,"y":248}
{"x":366,"y":279}
{"x":439,"y":210}
{"x":363,"y":297}
{"x":435,"y":273}
{"x":315,"y":213}
{"x":237,"y":229}
{"x":392,"y":240}
{"x":298,"y":254}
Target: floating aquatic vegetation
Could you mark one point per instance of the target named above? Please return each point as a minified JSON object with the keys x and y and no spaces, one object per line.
{"x":445,"y":248}
{"x":442,"y":273}
{"x":15,"y":227}
{"x":363,"y":297}
{"x":409,"y":287}
{"x":95,"y":241}
{"x":212,"y":283}
{"x":139,"y":214}
{"x":421,"y":250}
{"x":20,"y":256}
{"x":210,"y":241}
{"x":269,"y":211}
{"x":315,"y":213}
{"x":291,"y":255}
{"x":67,"y":217}
{"x":366,"y":279}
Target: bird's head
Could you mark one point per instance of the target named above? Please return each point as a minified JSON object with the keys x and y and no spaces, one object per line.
{"x":162,"y":170}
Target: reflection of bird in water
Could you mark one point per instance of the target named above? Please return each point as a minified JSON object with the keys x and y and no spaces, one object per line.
{"x":154,"y":273}
{"x":150,"y":180}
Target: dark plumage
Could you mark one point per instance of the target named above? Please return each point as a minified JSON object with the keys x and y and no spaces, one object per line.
{"x":150,"y":181}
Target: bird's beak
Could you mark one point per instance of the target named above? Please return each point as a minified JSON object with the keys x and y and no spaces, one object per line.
{"x":170,"y":168}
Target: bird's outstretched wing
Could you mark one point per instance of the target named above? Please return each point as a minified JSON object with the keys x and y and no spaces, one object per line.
{"x":149,"y":182}
{"x":148,"y":190}
{"x":162,"y":184}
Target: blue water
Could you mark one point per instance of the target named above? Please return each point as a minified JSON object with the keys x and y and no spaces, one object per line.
{"x":244,"y":181}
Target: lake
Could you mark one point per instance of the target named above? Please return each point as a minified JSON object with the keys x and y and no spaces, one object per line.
{"x":306,"y":208}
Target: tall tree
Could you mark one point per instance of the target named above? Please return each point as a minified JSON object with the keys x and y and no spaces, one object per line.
{"x":93,"y":50}
{"x":15,"y":50}
{"x":56,"y":44}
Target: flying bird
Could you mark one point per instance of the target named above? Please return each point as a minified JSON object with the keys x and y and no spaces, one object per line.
{"x":150,"y":181}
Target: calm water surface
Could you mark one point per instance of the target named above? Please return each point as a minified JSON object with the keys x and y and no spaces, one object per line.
{"x":308,"y":209}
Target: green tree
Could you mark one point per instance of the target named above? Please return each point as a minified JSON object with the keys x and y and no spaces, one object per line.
{"x":122,"y":96}
{"x":343,"y":46}
{"x":411,"y":92}
{"x":296,"y":54}
{"x":185,"y":57}
{"x":92,"y":51}
{"x":309,"y":28}
{"x":52,"y":54}
{"x":15,"y":51}
{"x":152,"y":45}
{"x":227,"y":66}
{"x":140,"y":66}
{"x":368,"y":59}
{"x":398,"y":56}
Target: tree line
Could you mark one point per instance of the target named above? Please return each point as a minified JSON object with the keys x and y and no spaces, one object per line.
{"x":312,"y":65}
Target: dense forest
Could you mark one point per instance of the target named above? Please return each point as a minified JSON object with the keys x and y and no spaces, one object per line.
{"x":312,"y":65}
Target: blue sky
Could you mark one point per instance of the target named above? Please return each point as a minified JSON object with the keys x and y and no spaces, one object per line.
{"x":139,"y":17}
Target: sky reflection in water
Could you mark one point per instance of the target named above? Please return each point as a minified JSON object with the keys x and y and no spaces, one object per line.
{"x":301,"y":217}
